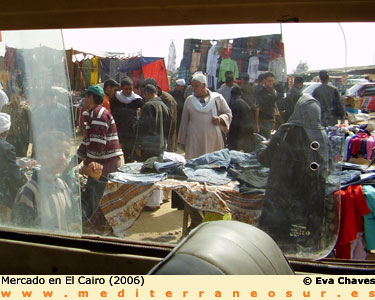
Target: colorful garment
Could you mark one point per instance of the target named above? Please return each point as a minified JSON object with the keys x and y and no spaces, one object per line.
{"x":94,"y":78}
{"x":353,"y":208}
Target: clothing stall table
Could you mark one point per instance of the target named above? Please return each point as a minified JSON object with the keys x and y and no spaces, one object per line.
{"x":122,"y":204}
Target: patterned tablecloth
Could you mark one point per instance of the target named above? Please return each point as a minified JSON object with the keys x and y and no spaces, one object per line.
{"x":122,"y":204}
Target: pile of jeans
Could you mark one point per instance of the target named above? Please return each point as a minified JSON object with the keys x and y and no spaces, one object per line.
{"x":215,"y":168}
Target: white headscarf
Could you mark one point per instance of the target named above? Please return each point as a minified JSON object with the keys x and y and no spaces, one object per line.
{"x":4,"y":122}
{"x":123,"y":99}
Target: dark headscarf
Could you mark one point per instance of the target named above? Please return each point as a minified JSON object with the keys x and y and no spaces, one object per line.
{"x":307,"y":114}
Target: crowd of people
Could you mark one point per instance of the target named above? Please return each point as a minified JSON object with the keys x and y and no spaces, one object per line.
{"x":143,"y":122}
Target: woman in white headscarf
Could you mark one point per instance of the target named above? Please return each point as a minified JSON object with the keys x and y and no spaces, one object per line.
{"x":297,"y":156}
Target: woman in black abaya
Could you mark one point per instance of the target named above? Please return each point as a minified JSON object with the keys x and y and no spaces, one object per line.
{"x":297,"y":156}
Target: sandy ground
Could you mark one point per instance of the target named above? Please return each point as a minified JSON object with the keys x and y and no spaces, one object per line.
{"x":163,"y":225}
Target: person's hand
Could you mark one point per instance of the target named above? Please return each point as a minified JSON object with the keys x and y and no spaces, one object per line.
{"x":216,"y":121}
{"x":93,"y":169}
{"x":138,"y":113}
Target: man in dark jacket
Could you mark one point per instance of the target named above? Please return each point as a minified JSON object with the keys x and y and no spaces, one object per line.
{"x":241,"y":131}
{"x":171,"y":103}
{"x":11,"y":178}
{"x":330,"y":102}
{"x":178,"y":94}
{"x":286,"y":105}
{"x":153,"y":126}
{"x":124,"y":106}
{"x":265,"y":99}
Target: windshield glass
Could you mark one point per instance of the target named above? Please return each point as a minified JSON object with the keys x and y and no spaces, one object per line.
{"x":354,"y":89}
{"x":39,"y":193}
{"x":144,"y":142}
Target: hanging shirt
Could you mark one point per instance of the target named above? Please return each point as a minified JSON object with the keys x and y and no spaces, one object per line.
{"x":172,"y":58}
{"x":253,"y":68}
{"x":212,"y":64}
{"x":195,"y":60}
{"x":278,"y":68}
{"x":370,"y":144}
{"x":87,"y":68}
{"x":94,"y":79}
{"x":228,"y":64}
{"x":212,"y":59}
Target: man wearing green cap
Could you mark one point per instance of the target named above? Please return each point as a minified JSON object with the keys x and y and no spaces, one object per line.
{"x":101,"y":143}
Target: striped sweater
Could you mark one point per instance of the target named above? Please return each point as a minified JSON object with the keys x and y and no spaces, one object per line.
{"x":101,"y":141}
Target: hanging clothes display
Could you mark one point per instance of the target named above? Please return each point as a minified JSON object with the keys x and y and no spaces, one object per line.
{"x":252,"y":55}
{"x":87,"y":67}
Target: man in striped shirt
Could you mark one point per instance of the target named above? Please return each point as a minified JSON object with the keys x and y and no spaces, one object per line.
{"x":101,"y":143}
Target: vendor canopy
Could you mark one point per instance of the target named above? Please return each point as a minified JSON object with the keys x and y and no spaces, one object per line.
{"x":150,"y":67}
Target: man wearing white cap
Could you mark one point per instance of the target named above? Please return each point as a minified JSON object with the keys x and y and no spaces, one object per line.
{"x":3,"y":97}
{"x":178,"y":95}
{"x":11,"y":178}
{"x":205,"y":117}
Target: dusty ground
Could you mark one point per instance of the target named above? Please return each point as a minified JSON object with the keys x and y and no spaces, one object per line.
{"x":163,"y":225}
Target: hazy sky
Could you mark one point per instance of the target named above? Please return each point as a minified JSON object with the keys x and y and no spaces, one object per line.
{"x":321,"y":45}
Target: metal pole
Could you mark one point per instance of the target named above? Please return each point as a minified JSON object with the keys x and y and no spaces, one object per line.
{"x":346,"y":54}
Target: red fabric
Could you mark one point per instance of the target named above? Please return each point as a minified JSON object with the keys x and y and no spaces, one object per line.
{"x":157,"y":71}
{"x":136,"y":77}
{"x":356,"y":142}
{"x":226,"y":53}
{"x":278,"y":53}
{"x":353,"y":208}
